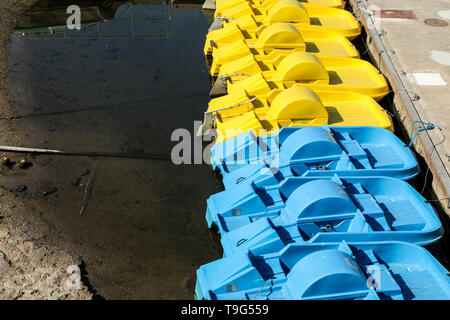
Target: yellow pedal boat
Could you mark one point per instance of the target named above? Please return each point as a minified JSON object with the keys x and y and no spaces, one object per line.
{"x":258,"y":4}
{"x":232,"y":43}
{"x":315,"y":17}
{"x":296,"y":106}
{"x":259,"y":75}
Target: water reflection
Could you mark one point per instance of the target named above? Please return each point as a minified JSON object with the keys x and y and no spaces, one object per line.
{"x":103,"y":19}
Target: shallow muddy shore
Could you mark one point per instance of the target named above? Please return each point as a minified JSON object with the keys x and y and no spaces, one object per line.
{"x":29,"y":267}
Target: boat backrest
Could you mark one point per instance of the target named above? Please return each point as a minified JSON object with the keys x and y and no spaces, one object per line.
{"x":297,"y":103}
{"x":280,"y":35}
{"x":309,"y":144}
{"x":302,"y":66}
{"x":319,"y":199}
{"x":325,"y":273}
{"x":287,"y":11}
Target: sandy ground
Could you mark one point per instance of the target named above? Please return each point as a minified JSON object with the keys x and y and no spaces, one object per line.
{"x":29,"y":269}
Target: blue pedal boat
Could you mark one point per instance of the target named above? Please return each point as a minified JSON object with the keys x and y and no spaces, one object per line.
{"x":314,"y":151}
{"x":363,"y":271}
{"x":327,"y":209}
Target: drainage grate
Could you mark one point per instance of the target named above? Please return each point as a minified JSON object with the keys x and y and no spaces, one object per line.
{"x":395,"y":14}
{"x":436,"y":22}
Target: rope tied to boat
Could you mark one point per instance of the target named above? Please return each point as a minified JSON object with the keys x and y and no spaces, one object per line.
{"x":434,"y":148}
{"x":225,"y":19}
{"x":440,"y":199}
{"x":371,"y":22}
{"x":427,"y":126}
{"x":257,"y":294}
{"x":368,"y":12}
{"x":325,"y":167}
{"x":393,"y":115}
{"x":213,"y":113}
{"x":226,"y":77}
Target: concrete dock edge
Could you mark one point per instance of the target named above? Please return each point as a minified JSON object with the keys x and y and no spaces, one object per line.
{"x":404,"y":106}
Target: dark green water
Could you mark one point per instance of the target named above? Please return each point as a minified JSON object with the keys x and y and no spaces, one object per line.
{"x":143,"y":233}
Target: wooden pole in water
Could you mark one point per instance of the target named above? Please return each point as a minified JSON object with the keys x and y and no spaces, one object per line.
{"x":145,"y":156}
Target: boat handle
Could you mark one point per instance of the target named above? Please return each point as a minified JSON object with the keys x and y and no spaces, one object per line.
{"x":240,"y":242}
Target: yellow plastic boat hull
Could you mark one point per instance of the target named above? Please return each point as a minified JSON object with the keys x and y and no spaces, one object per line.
{"x":296,"y":106}
{"x":258,"y":4}
{"x":316,"y":17}
{"x":259,"y":75}
{"x":231,"y":43}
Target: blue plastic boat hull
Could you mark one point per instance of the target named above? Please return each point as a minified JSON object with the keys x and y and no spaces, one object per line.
{"x":363,"y":271}
{"x":314,"y":152}
{"x":328,"y":209}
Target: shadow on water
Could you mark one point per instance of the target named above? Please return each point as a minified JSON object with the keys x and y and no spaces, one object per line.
{"x":133,"y":74}
{"x":85,"y":279}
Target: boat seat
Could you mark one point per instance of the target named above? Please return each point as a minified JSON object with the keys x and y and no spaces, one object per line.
{"x":402,"y":219}
{"x":367,"y":203}
{"x":381,"y":278}
{"x":386,"y":158}
{"x":353,"y":149}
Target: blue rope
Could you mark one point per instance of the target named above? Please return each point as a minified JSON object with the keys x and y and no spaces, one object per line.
{"x":428,"y":126}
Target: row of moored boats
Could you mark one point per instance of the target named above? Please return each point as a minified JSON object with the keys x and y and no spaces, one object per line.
{"x":316,"y":202}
